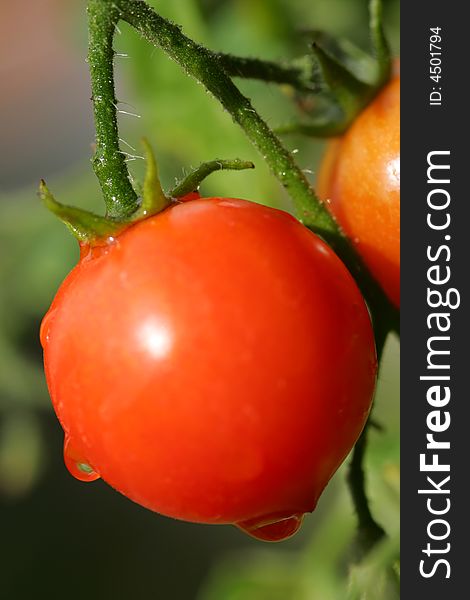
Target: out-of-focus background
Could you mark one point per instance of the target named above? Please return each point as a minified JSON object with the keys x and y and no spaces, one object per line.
{"x":62,"y":538}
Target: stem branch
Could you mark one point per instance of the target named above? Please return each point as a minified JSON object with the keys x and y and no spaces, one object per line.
{"x":299,"y":76}
{"x":192,"y":181}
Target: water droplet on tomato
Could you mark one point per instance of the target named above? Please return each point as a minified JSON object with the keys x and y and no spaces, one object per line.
{"x":45,"y":327}
{"x":76,"y":464}
{"x":272,"y":529}
{"x":85,"y":251}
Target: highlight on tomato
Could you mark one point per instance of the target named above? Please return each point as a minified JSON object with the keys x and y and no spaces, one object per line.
{"x":360,"y":180}
{"x":214,"y":363}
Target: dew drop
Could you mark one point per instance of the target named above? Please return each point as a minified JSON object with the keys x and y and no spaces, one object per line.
{"x":85,"y":251}
{"x":272,"y":529}
{"x":45,"y":327}
{"x":77,"y":465}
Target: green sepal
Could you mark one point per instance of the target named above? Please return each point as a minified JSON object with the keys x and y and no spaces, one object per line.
{"x":193,"y":180}
{"x":358,"y":62}
{"x":351,"y":78}
{"x":354,"y":77}
{"x":154,"y":199}
{"x":349,"y":92}
{"x":86,"y":226}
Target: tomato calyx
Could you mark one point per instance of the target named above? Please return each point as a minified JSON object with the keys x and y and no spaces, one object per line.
{"x":93,"y":230}
{"x":348,"y":77}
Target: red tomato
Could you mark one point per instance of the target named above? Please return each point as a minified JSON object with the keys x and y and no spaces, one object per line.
{"x":360,"y":176}
{"x":214,"y":363}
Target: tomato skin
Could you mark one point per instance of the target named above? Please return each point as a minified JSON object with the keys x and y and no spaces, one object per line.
{"x":215,"y":363}
{"x":360,"y":178}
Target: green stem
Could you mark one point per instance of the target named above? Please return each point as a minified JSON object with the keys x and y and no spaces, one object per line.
{"x":298,"y":75}
{"x":192,"y":181}
{"x":324,"y":128}
{"x":108,"y":161}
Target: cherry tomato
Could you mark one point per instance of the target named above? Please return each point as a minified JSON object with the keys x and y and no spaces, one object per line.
{"x":360,"y":177}
{"x":214,"y":363}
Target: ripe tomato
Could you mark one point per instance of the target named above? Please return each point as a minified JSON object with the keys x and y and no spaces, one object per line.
{"x":360,"y":176}
{"x":214,"y":363}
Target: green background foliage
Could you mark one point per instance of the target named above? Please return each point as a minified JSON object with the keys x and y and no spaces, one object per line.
{"x":61,"y":537}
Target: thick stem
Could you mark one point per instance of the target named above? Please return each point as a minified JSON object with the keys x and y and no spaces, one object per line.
{"x":108,"y":161}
